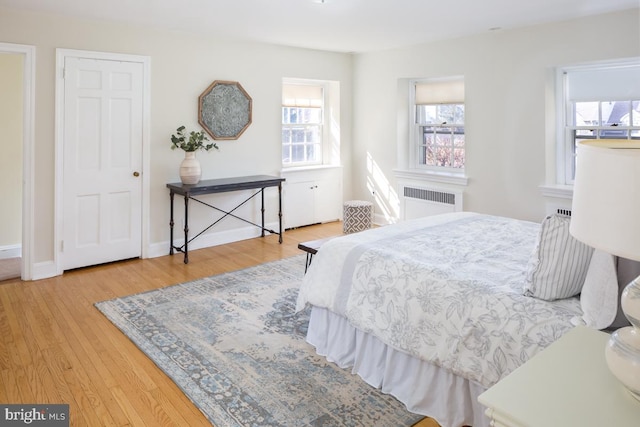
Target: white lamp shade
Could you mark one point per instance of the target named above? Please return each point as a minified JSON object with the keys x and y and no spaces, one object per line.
{"x":605,"y":212}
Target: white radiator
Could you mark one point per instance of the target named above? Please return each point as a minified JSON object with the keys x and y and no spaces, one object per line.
{"x":419,"y":202}
{"x":558,"y":209}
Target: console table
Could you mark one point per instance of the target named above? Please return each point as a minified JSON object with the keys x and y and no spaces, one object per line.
{"x":223,"y":185}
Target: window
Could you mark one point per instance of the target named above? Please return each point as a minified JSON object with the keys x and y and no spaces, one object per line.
{"x":599,"y":101}
{"x":303,"y":132}
{"x":438,"y":138}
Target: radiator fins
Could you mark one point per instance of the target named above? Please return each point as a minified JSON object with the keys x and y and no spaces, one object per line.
{"x":430,"y":195}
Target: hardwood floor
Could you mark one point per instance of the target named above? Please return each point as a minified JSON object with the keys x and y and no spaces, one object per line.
{"x":56,"y":347}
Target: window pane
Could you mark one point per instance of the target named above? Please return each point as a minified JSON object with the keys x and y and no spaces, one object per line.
{"x":293,"y":115}
{"x":286,"y":154}
{"x":613,"y":133}
{"x":313,"y":115}
{"x":444,"y":137}
{"x":612,"y":112}
{"x":459,"y":115}
{"x":312,"y":134}
{"x":313,"y":152}
{"x":440,"y":114}
{"x":458,"y":141}
{"x":437,"y":148}
{"x":427,"y":135}
{"x":301,"y":115}
{"x":297,"y":153}
{"x":583,"y":133}
{"x":286,"y":136}
{"x":425,"y":114}
{"x":289,"y":115}
{"x":427,"y":157}
{"x":443,"y":156}
{"x":458,"y":158}
{"x":446,"y":113}
{"x":587,"y":113}
{"x":297,"y":135}
{"x":633,"y":117}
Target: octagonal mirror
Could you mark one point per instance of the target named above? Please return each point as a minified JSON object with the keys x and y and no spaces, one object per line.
{"x":224,"y":110}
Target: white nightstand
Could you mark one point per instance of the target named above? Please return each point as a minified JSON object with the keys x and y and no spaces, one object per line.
{"x":567,"y":384}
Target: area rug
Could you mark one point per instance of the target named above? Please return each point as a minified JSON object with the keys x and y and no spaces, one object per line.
{"x":237,"y":349}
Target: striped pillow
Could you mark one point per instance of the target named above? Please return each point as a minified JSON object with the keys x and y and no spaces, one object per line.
{"x":559,"y":263}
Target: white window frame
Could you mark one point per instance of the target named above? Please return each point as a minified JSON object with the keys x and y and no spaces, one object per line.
{"x":324,"y":157}
{"x":416,"y":131}
{"x":565,"y":149}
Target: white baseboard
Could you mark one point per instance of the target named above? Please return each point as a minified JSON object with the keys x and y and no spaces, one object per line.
{"x":210,"y":239}
{"x":379,"y":219}
{"x":47,"y":269}
{"x":10,"y":251}
{"x":44,"y":270}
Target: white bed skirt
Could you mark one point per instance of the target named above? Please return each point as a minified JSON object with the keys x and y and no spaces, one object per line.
{"x":424,"y":388}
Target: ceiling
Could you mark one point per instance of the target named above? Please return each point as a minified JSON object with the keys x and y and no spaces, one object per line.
{"x":333,"y":25}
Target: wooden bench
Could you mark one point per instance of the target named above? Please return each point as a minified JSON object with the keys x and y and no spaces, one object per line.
{"x":311,"y":248}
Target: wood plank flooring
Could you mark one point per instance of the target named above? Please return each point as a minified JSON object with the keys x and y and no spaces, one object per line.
{"x":56,"y":347}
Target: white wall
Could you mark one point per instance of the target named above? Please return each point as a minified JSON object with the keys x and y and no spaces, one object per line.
{"x":11,"y":105}
{"x":182,"y":67}
{"x":508,"y":91}
{"x":508,"y":88}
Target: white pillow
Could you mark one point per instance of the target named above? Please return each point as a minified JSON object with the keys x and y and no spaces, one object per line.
{"x":558,"y":266}
{"x":599,"y":298}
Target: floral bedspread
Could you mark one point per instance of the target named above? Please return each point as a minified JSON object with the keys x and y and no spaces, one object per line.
{"x":447,"y":289}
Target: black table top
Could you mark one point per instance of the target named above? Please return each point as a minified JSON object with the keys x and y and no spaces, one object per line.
{"x":222,"y":185}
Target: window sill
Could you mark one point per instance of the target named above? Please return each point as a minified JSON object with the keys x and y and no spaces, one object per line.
{"x":308,"y":168}
{"x":428,"y":175}
{"x":557,"y":191}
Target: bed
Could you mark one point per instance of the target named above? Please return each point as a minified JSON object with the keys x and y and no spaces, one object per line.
{"x":433,"y":310}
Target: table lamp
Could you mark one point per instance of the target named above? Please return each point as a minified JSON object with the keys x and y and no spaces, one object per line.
{"x":605,"y":214}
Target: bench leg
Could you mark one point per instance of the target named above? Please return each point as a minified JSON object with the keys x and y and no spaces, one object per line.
{"x":308,"y":262}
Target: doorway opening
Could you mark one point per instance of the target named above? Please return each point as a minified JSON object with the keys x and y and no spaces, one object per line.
{"x":17,"y":75}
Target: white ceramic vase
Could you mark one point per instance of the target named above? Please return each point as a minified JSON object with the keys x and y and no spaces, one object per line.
{"x":190,"y":170}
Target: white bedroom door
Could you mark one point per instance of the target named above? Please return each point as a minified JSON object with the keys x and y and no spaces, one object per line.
{"x":102,"y":161}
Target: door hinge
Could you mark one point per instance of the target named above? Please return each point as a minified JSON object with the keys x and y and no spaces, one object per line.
{"x":61,"y":245}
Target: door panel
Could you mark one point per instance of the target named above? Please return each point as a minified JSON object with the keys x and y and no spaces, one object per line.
{"x":120,"y":206}
{"x":88,"y":214}
{"x":102,"y":201}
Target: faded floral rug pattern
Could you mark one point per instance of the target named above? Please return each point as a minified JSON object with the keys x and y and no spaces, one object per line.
{"x":236,"y":348}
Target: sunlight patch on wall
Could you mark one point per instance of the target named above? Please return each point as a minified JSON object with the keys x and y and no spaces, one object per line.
{"x":387,"y":203}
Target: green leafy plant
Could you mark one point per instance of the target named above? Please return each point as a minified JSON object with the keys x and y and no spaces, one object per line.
{"x":192,"y":141}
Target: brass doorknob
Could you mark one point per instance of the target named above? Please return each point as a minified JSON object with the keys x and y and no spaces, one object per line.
{"x":136,"y":174}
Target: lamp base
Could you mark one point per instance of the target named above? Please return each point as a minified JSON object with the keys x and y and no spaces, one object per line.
{"x":623,"y":349}
{"x":623,"y":358}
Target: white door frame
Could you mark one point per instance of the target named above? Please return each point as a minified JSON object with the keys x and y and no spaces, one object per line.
{"x":61,"y":54}
{"x":28,"y":122}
